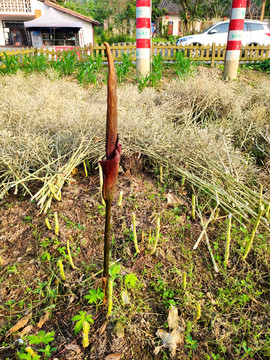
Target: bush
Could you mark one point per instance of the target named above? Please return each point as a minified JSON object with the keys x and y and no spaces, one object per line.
{"x":104,"y":36}
{"x":261,"y":66}
{"x":264,"y":66}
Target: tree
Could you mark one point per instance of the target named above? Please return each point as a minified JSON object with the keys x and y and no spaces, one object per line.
{"x":217,"y":8}
{"x":97,"y":9}
{"x":203,"y":9}
{"x":156,"y":12}
{"x":193,"y":10}
{"x":102,"y":9}
{"x":267,"y":8}
{"x":190,"y":11}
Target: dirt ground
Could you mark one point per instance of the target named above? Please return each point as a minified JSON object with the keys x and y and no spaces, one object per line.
{"x":234,"y":303}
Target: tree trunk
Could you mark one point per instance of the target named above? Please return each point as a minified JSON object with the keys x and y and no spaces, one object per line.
{"x":263,"y":9}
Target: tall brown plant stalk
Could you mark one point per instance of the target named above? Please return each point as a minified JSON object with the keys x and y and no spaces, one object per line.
{"x":111,"y":164}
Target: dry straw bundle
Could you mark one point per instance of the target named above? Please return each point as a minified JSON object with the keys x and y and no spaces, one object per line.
{"x":203,"y":129}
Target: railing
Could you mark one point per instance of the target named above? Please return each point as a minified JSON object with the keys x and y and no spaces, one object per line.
{"x":15,"y":6}
{"x":209,"y":54}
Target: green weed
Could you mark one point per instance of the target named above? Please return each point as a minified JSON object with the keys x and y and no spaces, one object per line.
{"x":263,"y":66}
{"x":87,"y":72}
{"x":80,"y":319}
{"x":183,"y":66}
{"x":123,"y":67}
{"x":131,"y":281}
{"x":11,"y":64}
{"x":35,"y":63}
{"x":95,"y":297}
{"x":27,"y":353}
{"x":67,"y":63}
{"x":143,"y":81}
{"x":191,"y":344}
{"x":156,"y":73}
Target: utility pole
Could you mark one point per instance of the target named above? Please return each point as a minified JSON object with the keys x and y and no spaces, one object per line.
{"x":263,"y":9}
{"x":236,"y":28}
{"x":143,"y":37}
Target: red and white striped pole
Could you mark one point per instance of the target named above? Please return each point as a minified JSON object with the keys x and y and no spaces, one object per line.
{"x":236,"y":28}
{"x":143,"y":37}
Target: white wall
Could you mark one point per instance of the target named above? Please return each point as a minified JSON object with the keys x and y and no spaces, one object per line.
{"x":38,"y":5}
{"x":2,"y":39}
{"x":174,"y":19}
{"x":87,"y":33}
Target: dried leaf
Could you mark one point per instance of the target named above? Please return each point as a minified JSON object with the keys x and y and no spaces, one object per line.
{"x":3,"y":320}
{"x":171,"y":340}
{"x":173,"y":200}
{"x":21,"y":323}
{"x":43,"y":319}
{"x":164,"y":336}
{"x":113,"y":357}
{"x":177,"y":338}
{"x":157,"y":350}
{"x":173,"y":318}
{"x":74,"y":348}
{"x":2,"y":261}
{"x":125,"y":297}
{"x":119,"y":330}
{"x":26,"y":330}
{"x":71,"y":299}
{"x":103,"y":328}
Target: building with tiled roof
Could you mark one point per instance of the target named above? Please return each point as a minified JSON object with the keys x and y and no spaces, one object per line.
{"x":43,"y":23}
{"x":171,"y":22}
{"x":171,"y":7}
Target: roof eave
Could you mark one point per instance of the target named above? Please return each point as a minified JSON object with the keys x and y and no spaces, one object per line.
{"x":71,"y":12}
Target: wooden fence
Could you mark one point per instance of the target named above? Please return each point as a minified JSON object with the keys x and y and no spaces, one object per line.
{"x":208,"y":54}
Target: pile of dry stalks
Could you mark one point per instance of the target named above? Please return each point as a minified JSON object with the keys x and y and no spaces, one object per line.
{"x":203,"y":129}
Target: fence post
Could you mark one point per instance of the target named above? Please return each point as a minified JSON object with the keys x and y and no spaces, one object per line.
{"x":91,"y":50}
{"x":213,"y":55}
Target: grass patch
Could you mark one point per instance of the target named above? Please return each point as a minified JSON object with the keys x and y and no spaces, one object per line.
{"x":193,"y":128}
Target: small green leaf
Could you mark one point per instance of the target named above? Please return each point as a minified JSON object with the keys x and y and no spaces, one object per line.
{"x":95,"y":296}
{"x":131,"y":280}
{"x":41,"y":337}
{"x":78,"y":326}
{"x":89,"y":319}
{"x":25,"y":356}
{"x":114,"y":270}
{"x":80,"y":318}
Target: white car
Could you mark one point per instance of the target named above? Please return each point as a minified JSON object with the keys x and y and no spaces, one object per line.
{"x":255,"y":33}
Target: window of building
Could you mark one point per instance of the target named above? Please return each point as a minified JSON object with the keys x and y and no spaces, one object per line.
{"x":14,"y":33}
{"x":60,"y":37}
